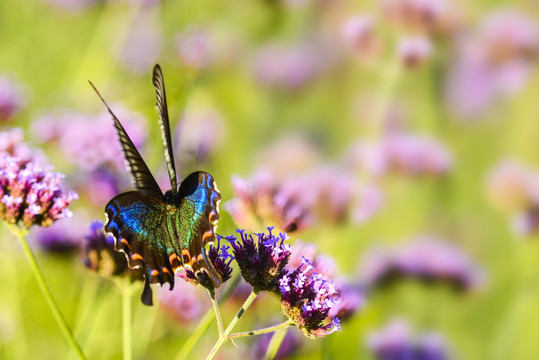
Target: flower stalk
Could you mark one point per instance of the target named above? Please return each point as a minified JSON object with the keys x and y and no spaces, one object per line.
{"x":62,"y":323}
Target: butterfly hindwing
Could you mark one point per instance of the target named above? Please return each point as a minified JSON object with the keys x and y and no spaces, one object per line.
{"x":160,"y":236}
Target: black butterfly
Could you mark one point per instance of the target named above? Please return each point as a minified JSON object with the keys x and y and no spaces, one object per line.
{"x":162,"y":233}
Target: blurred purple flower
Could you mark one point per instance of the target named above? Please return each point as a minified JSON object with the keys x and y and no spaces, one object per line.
{"x":90,"y":142}
{"x":493,"y":62}
{"x":358,"y":33}
{"x":411,"y":154}
{"x":99,"y":255}
{"x":142,"y":46}
{"x":307,"y":299}
{"x":62,"y":237}
{"x":286,"y":67}
{"x":11,"y":144}
{"x":262,"y":262}
{"x":414,"y":51}
{"x":422,"y":15}
{"x":185,"y":303}
{"x":32,"y":194}
{"x":288,"y":348}
{"x":396,"y":342}
{"x":100,"y":185}
{"x":194,"y":48}
{"x":295,"y":203}
{"x":425,"y":259}
{"x":200,"y":133}
{"x":11,"y":98}
{"x":514,"y":188}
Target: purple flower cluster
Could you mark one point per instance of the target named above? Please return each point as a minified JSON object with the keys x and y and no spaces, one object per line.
{"x":62,"y":237}
{"x":220,"y":259}
{"x":350,"y":296}
{"x":296,"y":203}
{"x":418,"y":15}
{"x":99,"y":255}
{"x":90,"y":141}
{"x":359,"y":34}
{"x":514,"y":188}
{"x":395,"y":342}
{"x":11,"y":98}
{"x":185,"y":302}
{"x":307,"y":299}
{"x":493,"y":62}
{"x":425,"y":259}
{"x":400,"y":152}
{"x":288,"y":68}
{"x":31,"y":194}
{"x":263,"y":261}
{"x":194,"y":48}
{"x":11,"y":144}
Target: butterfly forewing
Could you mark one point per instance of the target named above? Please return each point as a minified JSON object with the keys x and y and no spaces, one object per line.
{"x":162,"y":109}
{"x":141,"y":176}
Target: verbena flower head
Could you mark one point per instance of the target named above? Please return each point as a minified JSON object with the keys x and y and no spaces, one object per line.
{"x":11,"y":98}
{"x":220,"y":258}
{"x":262,"y":262}
{"x":396,"y":341}
{"x":99,"y":254}
{"x":307,"y":299}
{"x":31,"y":194}
{"x":425,"y":259}
{"x":62,"y":237}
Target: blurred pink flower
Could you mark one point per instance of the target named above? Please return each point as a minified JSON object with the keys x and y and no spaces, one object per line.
{"x":142,"y":46}
{"x":288,"y":67}
{"x":414,"y":51}
{"x":424,"y":15}
{"x":11,"y":98}
{"x":62,"y":237}
{"x":11,"y":143}
{"x":194,"y":47}
{"x":185,"y":302}
{"x":90,"y":142}
{"x":426,"y":259}
{"x":410,"y":154}
{"x":396,"y":341}
{"x":494,"y":62}
{"x":358,"y":33}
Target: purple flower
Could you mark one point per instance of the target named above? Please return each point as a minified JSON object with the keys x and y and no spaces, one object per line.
{"x":425,"y":15}
{"x":31,"y":194}
{"x":194,"y":48}
{"x":61,"y":237}
{"x":307,"y":299}
{"x":11,"y":144}
{"x":358,"y":33}
{"x":90,"y":141}
{"x":288,"y":348}
{"x":425,"y":259}
{"x":414,"y":51}
{"x":262,"y":261}
{"x":220,"y":259}
{"x":11,"y":98}
{"x":141,"y":48}
{"x":99,"y":255}
{"x":396,"y":342}
{"x":185,"y":303}
{"x":289,"y":68}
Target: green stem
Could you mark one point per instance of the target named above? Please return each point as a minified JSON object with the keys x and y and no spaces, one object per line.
{"x":218,"y":317}
{"x":275,"y":343}
{"x":205,"y":322}
{"x":232,"y":324}
{"x":266,"y":330}
{"x":127,"y":321}
{"x":20,"y":234}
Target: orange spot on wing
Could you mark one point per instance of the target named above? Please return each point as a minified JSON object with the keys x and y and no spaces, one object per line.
{"x":200,"y":257}
{"x":206,"y":235}
{"x":185,"y":252}
{"x":155,"y":273}
{"x":124,"y":241}
{"x":136,"y":256}
{"x":165,"y":270}
{"x":172,"y":257}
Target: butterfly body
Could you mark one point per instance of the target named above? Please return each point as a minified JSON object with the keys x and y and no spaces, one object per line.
{"x":162,"y":233}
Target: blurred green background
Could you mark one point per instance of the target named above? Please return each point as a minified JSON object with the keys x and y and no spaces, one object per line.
{"x":339,"y":92}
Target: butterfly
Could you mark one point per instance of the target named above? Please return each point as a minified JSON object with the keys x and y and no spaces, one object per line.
{"x":161,"y":233}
